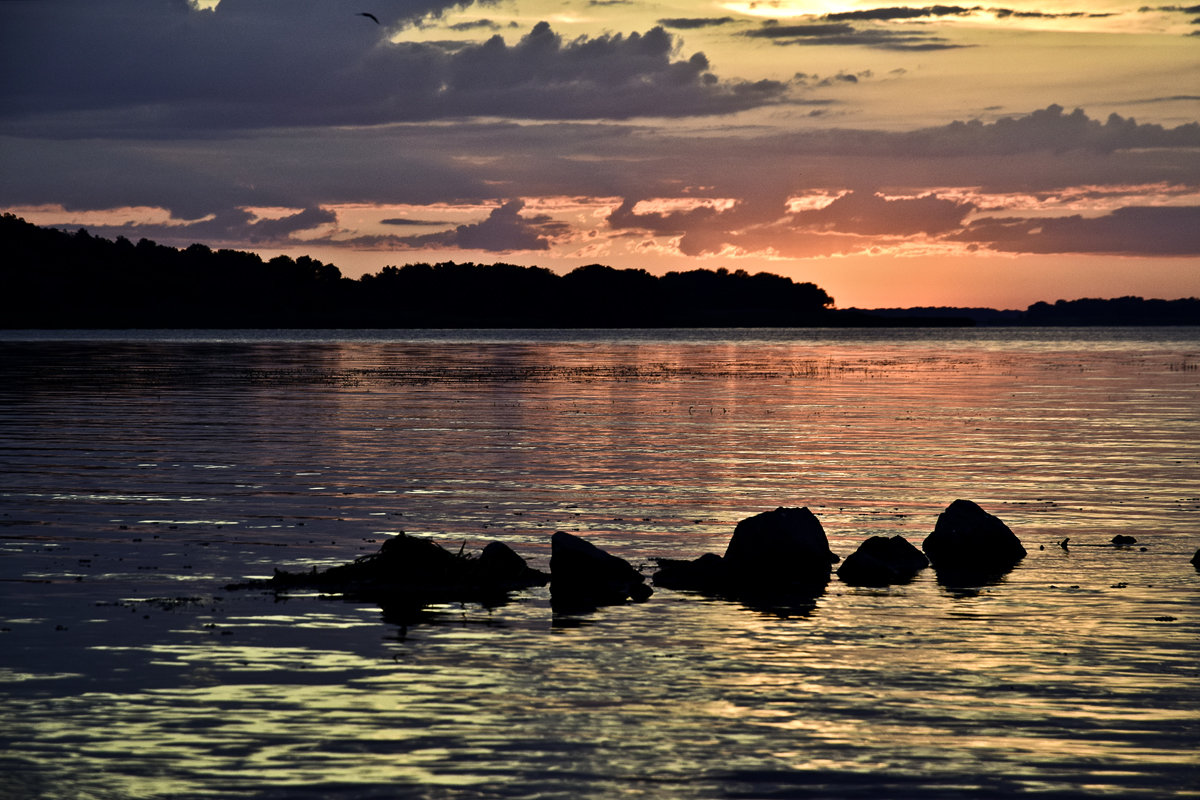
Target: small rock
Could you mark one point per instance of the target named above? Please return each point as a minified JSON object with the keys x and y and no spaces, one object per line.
{"x":880,"y":561}
{"x":583,"y":577}
{"x":1123,"y":541}
{"x":703,"y":574}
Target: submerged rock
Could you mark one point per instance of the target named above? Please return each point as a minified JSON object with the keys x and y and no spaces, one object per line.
{"x":408,"y":571}
{"x":880,"y":561}
{"x":970,"y":546}
{"x":1121,"y":540}
{"x":583,"y":577}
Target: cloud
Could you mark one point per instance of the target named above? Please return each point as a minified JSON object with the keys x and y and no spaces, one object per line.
{"x":841,"y":33}
{"x":843,"y":225}
{"x":75,"y":68}
{"x":228,"y":226}
{"x":476,"y":24}
{"x":901,"y":12}
{"x":1040,"y":156}
{"x":504,"y":231}
{"x":872,"y":214}
{"x":1049,"y":129}
{"x":694,"y":23}
{"x":888,"y":13}
{"x":405,"y":222}
{"x":1140,"y":231}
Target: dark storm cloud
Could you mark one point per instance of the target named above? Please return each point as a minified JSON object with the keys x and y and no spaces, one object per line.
{"x":83,"y":68}
{"x":1139,"y":230}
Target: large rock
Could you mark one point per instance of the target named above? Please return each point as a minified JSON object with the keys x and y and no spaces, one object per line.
{"x":970,"y":546}
{"x":583,"y":577}
{"x":880,"y":561}
{"x":777,"y":561}
{"x":779,"y":548}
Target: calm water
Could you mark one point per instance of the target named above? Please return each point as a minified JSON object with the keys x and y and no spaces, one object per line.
{"x":141,"y":473}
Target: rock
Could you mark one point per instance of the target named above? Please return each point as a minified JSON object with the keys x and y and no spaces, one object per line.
{"x":1196,"y":561}
{"x":969,"y":546}
{"x":703,"y":574}
{"x":779,"y":548}
{"x":1123,"y":541}
{"x":777,"y":561}
{"x":880,"y":561}
{"x":499,"y":565}
{"x":583,"y":577}
{"x":409,"y":571}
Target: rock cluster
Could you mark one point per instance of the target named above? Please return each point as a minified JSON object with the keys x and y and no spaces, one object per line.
{"x":412,"y":572}
{"x":775,"y":559}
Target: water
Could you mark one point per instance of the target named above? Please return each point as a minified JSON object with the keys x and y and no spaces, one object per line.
{"x":142,"y":472}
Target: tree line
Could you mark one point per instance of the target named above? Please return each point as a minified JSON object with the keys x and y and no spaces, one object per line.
{"x":53,"y":278}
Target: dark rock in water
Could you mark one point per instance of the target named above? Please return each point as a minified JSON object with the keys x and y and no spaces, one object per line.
{"x":778,"y":548}
{"x":1196,"y":561}
{"x":500,"y":565}
{"x":703,"y":574}
{"x":583,"y":577}
{"x":1123,"y":541}
{"x":410,"y":572}
{"x":880,"y":561}
{"x":777,"y":561}
{"x":969,"y":546}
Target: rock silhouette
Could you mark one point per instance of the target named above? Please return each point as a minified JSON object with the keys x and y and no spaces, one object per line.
{"x":1196,"y":561}
{"x":880,"y":561}
{"x":969,"y":546}
{"x":583,"y":577}
{"x":408,"y":573}
{"x":776,"y":559}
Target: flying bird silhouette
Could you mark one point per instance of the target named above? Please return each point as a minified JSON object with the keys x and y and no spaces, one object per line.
{"x":369,"y":16}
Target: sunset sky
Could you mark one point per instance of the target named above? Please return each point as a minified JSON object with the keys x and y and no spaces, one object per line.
{"x":895,"y":155}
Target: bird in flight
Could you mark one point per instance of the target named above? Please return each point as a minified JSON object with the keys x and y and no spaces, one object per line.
{"x":369,"y":16}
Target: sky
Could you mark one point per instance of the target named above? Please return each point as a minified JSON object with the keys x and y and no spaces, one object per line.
{"x":895,"y":155}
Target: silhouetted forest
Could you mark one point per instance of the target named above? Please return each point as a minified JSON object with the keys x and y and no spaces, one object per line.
{"x":55,"y":279}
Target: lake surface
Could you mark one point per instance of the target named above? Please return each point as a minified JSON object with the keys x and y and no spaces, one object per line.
{"x":142,"y":472}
